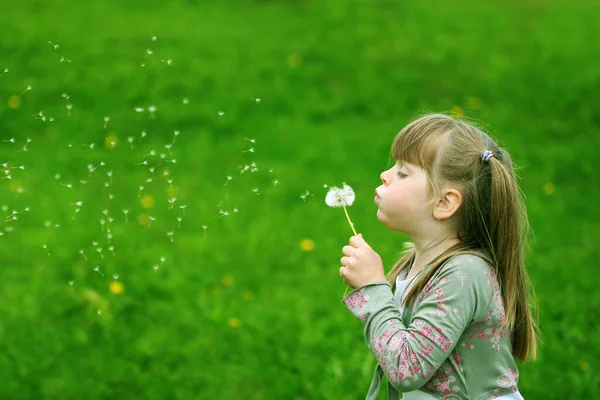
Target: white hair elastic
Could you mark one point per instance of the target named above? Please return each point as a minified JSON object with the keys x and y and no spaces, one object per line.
{"x":486,"y":156}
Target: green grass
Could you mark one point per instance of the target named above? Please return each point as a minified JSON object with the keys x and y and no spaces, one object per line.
{"x":336,"y":82}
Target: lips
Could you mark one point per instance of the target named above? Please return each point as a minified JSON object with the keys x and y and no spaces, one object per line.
{"x":376,"y":196}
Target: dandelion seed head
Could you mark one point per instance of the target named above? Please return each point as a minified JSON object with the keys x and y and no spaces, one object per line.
{"x":340,"y":197}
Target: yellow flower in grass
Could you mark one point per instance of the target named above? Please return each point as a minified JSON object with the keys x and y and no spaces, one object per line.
{"x":458,"y":111}
{"x":116,"y":287}
{"x":143,"y":219}
{"x":234,"y":323}
{"x":16,"y":186}
{"x":294,"y":60}
{"x":14,"y":102}
{"x":307,"y":245}
{"x":111,"y":142}
{"x":584,"y":365}
{"x":549,"y":188}
{"x":147,"y":201}
{"x":227,"y":281}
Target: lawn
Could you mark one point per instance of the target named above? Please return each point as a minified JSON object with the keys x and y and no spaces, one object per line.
{"x":165,"y":232}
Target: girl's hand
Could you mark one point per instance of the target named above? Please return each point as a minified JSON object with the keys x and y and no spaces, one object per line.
{"x":361,"y":265}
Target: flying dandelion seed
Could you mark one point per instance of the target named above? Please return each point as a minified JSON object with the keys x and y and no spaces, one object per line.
{"x":179,"y":219}
{"x":5,"y":71}
{"x":304,"y":195}
{"x":106,"y":119}
{"x":154,"y":38}
{"x":97,"y":269}
{"x":185,"y":100}
{"x":82,"y":253}
{"x":204,"y":227}
{"x":69,"y":107}
{"x":155,"y":267}
{"x":229,"y":177}
{"x":26,"y":143}
{"x":126,"y":211}
{"x":170,"y":235}
{"x":250,"y":150}
{"x":26,"y":90}
{"x":45,"y":246}
{"x":255,"y":190}
{"x":221,"y":113}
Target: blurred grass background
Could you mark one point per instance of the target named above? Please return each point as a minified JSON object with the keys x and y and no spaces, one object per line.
{"x":174,"y":300}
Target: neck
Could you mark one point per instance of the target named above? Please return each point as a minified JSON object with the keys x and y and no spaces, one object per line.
{"x":426,"y":250}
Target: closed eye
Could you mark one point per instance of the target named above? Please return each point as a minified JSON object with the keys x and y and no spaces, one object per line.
{"x":402,"y":174}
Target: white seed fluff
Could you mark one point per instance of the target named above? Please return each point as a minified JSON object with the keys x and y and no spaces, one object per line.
{"x":340,"y":197}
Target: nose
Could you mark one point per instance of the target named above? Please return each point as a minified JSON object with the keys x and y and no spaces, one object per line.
{"x":383,"y":178}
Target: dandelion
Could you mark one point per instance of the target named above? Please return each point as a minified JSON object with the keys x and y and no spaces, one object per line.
{"x":341,"y":197}
{"x":116,"y":287}
{"x":307,"y":245}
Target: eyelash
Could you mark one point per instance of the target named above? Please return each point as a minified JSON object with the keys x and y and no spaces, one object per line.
{"x":401,"y":174}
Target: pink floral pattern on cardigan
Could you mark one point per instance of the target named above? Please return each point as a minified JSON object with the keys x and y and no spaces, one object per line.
{"x":356,"y":302}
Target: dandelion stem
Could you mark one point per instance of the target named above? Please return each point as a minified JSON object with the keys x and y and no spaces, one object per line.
{"x":346,"y":292}
{"x":356,"y":234}
{"x":350,"y":222}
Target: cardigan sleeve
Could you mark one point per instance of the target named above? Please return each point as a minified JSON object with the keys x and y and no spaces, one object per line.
{"x":447,"y":305}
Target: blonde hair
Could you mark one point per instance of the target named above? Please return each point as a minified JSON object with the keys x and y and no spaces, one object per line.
{"x":493,"y":219}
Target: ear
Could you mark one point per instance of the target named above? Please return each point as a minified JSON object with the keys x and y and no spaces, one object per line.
{"x":448,"y":204}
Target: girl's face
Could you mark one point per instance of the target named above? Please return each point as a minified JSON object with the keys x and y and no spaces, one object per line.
{"x":403,"y":199}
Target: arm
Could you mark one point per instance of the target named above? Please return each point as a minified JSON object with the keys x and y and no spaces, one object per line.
{"x":409,"y":355}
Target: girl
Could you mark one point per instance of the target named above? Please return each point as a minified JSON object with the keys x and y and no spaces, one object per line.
{"x":459,"y":315}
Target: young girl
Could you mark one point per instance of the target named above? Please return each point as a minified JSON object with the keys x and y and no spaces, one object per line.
{"x":459,"y":315}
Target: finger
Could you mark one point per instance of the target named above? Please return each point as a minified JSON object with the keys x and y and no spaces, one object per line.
{"x":358,"y":241}
{"x":342,"y":271}
{"x":348,"y":250}
{"x":355,"y":241}
{"x":345,"y":261}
